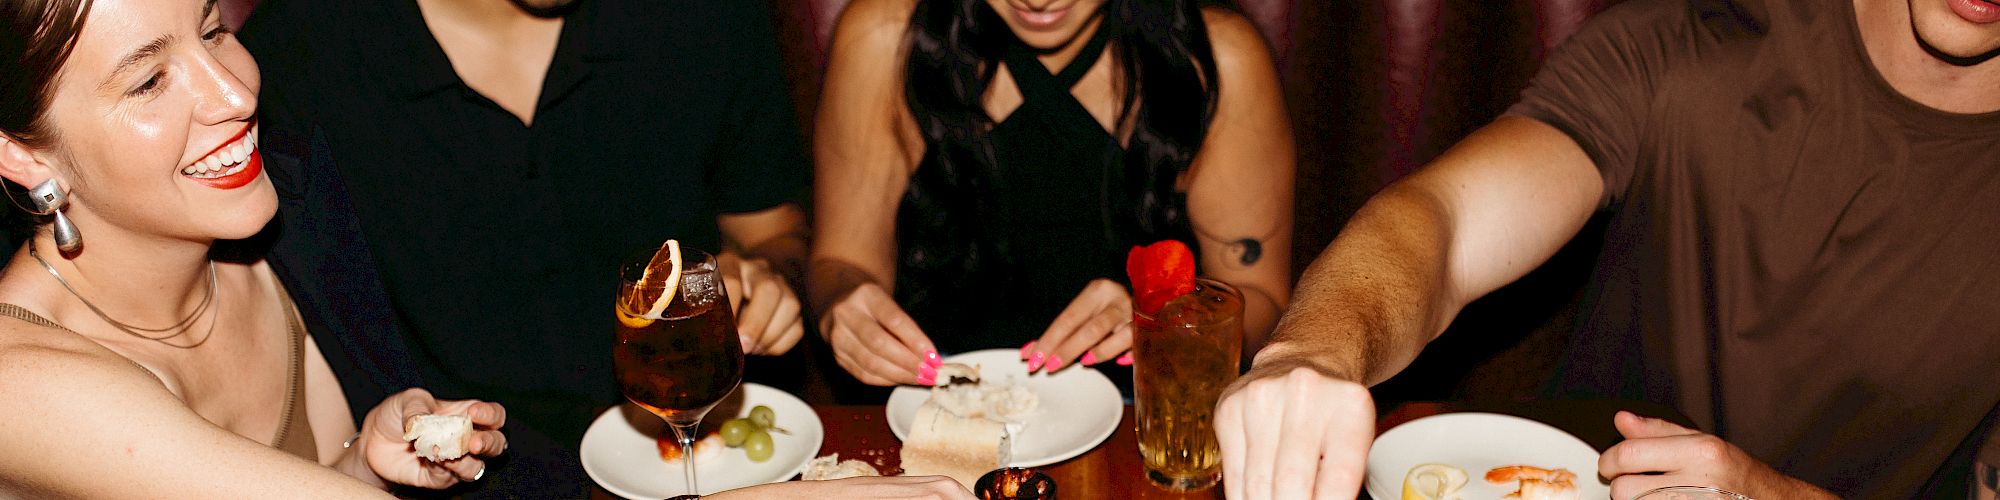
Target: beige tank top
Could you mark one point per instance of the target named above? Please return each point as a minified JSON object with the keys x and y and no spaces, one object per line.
{"x":294,"y":434}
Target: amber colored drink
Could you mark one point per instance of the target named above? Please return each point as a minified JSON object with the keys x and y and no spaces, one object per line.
{"x":1183,"y":359}
{"x":679,"y":360}
{"x":681,"y":365}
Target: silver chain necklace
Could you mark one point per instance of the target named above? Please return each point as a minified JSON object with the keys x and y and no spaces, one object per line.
{"x":178,"y":329}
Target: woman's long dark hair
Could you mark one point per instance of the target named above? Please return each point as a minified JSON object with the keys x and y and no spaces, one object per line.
{"x":36,"y":36}
{"x":955,"y":47}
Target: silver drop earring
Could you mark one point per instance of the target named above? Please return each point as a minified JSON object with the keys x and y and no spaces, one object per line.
{"x":50,"y":199}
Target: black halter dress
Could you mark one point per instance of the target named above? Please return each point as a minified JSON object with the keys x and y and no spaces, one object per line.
{"x":1060,"y":217}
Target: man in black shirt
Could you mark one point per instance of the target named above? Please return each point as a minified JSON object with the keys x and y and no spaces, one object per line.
{"x":503,"y":157}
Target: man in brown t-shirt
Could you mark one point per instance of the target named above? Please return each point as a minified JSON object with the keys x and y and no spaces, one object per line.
{"x":1804,"y":223}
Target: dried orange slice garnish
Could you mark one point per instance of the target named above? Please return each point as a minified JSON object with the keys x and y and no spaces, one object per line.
{"x":668,"y":260}
{"x":631,"y":321}
{"x":672,"y":252}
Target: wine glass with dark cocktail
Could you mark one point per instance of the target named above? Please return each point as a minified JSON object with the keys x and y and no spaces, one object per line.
{"x":677,"y":353}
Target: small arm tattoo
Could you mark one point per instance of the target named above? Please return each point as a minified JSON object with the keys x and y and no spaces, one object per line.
{"x":1253,"y":250}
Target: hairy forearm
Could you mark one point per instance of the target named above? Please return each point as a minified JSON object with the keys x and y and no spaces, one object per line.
{"x":1369,"y":303}
{"x":1786,"y":486}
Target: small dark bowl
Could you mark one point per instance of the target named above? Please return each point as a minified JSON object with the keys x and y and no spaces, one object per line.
{"x":1015,"y":483}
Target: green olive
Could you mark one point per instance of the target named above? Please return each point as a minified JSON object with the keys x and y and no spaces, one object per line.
{"x":758,"y":446}
{"x":763,"y":417}
{"x":735,"y":431}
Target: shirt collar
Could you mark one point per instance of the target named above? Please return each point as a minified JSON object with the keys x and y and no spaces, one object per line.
{"x":410,"y":62}
{"x":413,"y":65}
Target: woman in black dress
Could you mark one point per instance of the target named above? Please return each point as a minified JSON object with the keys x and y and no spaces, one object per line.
{"x":984,"y":165}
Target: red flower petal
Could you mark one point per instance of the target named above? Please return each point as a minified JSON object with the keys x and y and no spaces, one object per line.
{"x":1160,"y":272}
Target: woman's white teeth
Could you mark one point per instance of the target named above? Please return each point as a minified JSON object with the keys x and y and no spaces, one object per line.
{"x":226,"y":160}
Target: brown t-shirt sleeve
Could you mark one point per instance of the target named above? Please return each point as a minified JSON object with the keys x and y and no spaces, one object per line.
{"x":1600,"y":86}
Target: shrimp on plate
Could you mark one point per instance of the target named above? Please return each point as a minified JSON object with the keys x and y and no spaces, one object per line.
{"x":1536,"y":483}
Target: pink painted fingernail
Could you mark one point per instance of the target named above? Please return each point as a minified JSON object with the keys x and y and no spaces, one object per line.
{"x":1125,"y":360}
{"x":1035,"y":361}
{"x":1027,"y":348}
{"x":927,"y":371}
{"x":1055,"y":363}
{"x":931,"y":358}
{"x":1089,"y":358}
{"x":927,"y":380}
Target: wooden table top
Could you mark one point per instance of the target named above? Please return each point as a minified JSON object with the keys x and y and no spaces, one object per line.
{"x":1114,"y":469}
{"x":1111,"y":470}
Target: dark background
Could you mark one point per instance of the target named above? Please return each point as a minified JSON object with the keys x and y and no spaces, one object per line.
{"x":1375,"y":88}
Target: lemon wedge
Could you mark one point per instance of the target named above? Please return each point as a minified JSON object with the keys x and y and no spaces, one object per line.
{"x":1433,"y":482}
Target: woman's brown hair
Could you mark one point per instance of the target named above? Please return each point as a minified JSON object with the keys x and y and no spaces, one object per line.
{"x":38,"y":37}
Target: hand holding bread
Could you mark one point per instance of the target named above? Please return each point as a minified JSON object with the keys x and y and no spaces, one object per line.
{"x":414,"y":439}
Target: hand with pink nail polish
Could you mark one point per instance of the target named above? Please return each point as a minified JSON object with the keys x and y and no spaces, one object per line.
{"x":1096,"y":327}
{"x":927,"y":374}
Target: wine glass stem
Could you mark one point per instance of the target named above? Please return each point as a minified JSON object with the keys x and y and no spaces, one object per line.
{"x":685,"y":434}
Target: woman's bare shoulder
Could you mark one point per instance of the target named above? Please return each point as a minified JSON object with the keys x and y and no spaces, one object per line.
{"x":45,"y":368}
{"x":874,"y":25}
{"x":75,"y":410}
{"x":1238,"y":46}
{"x":30,"y":354}
{"x":878,"y":13}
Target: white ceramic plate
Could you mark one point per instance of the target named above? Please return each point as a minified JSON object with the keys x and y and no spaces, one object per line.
{"x":1079,"y":406}
{"x":621,"y":453}
{"x":1478,"y":442}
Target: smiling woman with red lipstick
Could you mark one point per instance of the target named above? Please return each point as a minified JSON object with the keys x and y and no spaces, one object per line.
{"x":131,"y":364}
{"x":984,"y":165}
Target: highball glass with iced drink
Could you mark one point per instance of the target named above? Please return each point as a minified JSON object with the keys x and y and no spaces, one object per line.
{"x":1183,"y":357}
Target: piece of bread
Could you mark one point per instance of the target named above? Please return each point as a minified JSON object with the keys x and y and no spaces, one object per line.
{"x":831,"y":467}
{"x":439,"y":437}
{"x":944,"y":444}
{"x":965,"y":396}
{"x":950,"y":373}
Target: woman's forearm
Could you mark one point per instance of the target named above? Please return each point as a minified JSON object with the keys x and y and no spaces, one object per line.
{"x":1260,"y":315}
{"x":830,"y":278}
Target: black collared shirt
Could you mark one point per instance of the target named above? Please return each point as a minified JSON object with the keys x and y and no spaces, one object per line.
{"x":499,"y":242}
